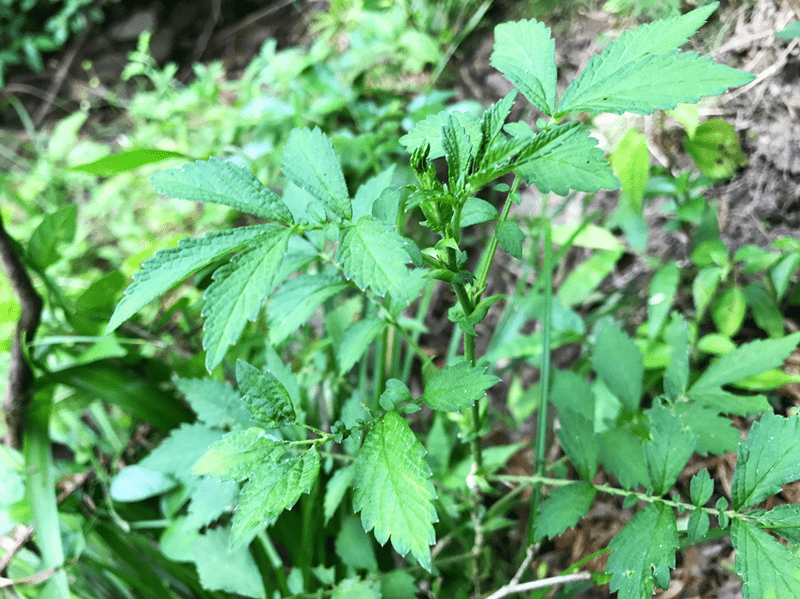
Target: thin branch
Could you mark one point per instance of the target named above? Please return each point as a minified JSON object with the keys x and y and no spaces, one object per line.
{"x":513,"y":589}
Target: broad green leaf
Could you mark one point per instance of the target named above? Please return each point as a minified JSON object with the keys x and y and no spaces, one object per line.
{"x":631,"y":163}
{"x":585,"y":277}
{"x":565,"y":157}
{"x":617,"y":360}
{"x":510,"y":237}
{"x":211,"y":497}
{"x":769,"y":570}
{"x":181,"y":449}
{"x":579,"y":442}
{"x":670,"y":445}
{"x":663,"y":288}
{"x":590,"y":236}
{"x":215,"y":402}
{"x":563,"y":508}
{"x":728,"y":311}
{"x":56,"y":228}
{"x":728,"y":403}
{"x":477,"y":211}
{"x":265,"y":397}
{"x":571,"y":392}
{"x":765,"y":310}
{"x":782,"y":273}
{"x":310,"y":162}
{"x":124,"y":161}
{"x":355,"y":588}
{"x":703,"y":288}
{"x":221,"y":182}
{"x":524,"y":52}
{"x":701,"y":488}
{"x":238,"y":291}
{"x":621,"y":454}
{"x":356,"y":340}
{"x":295,"y":302}
{"x":335,"y":489}
{"x":239,"y":453}
{"x":715,"y":149}
{"x":373,"y":255}
{"x":747,"y":360}
{"x":171,"y":265}
{"x":644,"y":552}
{"x":393,"y":490}
{"x":697,"y":527}
{"x":676,"y":375}
{"x":273,"y":488}
{"x":457,"y":386}
{"x":429,"y":131}
{"x":398,"y":584}
{"x":354,"y":546}
{"x":135,"y":483}
{"x":768,"y":459}
{"x":370,"y":191}
{"x":220,"y":569}
{"x":459,"y":150}
{"x":783,"y":520}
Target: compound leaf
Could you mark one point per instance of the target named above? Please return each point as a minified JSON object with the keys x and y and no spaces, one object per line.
{"x":393,"y":490}
{"x":525,"y":53}
{"x":221,"y":182}
{"x":267,"y":400}
{"x":457,"y":386}
{"x":769,"y":570}
{"x":239,"y":453}
{"x":671,"y":444}
{"x":563,"y":508}
{"x":171,"y":265}
{"x":618,"y":361}
{"x":310,"y":162}
{"x":643,"y":552}
{"x":238,"y":291}
{"x":768,"y":459}
{"x":272,"y":488}
{"x":373,"y":255}
{"x":565,"y":157}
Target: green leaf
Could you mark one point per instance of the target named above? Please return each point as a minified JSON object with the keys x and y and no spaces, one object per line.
{"x":791,"y":31}
{"x":477,"y":211}
{"x":571,"y":392}
{"x":171,"y":265}
{"x":396,"y":393}
{"x":181,"y":449}
{"x":563,"y":508}
{"x":398,"y":584}
{"x":715,"y":149}
{"x":747,"y":360}
{"x":56,"y":228}
{"x":336,"y":488}
{"x":768,"y":459}
{"x":370,"y":191}
{"x":272,"y":488}
{"x":585,"y":277}
{"x":621,"y":454}
{"x":676,"y":375}
{"x":579,"y":442}
{"x":221,"y":182}
{"x":356,"y":340}
{"x":354,"y":588}
{"x":373,"y":255}
{"x":715,"y":434}
{"x":783,"y":520}
{"x":670,"y":445}
{"x":769,"y":570}
{"x":354,"y":547}
{"x":703,"y":288}
{"x":765,"y":310}
{"x":267,"y":400}
{"x":510,"y":237}
{"x":525,"y":53}
{"x":663,"y":288}
{"x":135,"y":483}
{"x":701,"y":488}
{"x":238,"y":291}
{"x":310,"y":162}
{"x":215,"y":402}
{"x":631,"y":163}
{"x":239,"y":453}
{"x":459,"y":150}
{"x":697,"y":527}
{"x":643,"y":552}
{"x":210,"y":499}
{"x":393,"y":490}
{"x":124,"y":162}
{"x":457,"y":386}
{"x":565,"y":157}
{"x":642,"y":71}
{"x":220,"y":569}
{"x":429,"y":131}
{"x":728,"y":311}
{"x":492,"y":123}
{"x":617,"y":360}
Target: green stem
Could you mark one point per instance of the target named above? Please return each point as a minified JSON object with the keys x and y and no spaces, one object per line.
{"x":491,"y":249}
{"x":544,"y":379}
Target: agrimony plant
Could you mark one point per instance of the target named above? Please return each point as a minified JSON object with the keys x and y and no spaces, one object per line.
{"x":344,"y":245}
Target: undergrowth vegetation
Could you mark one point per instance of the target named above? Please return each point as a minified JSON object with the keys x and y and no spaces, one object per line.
{"x":276,"y":427}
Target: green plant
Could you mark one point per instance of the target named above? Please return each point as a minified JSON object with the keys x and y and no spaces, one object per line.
{"x":333,"y":404}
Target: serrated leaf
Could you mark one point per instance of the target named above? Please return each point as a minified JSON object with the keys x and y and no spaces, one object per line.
{"x":396,"y":393}
{"x":769,"y":570}
{"x":617,"y":360}
{"x":336,"y":488}
{"x":393,"y":490}
{"x":563,"y":508}
{"x":701,"y":488}
{"x":239,"y":453}
{"x":459,"y":151}
{"x":56,"y":228}
{"x":510,"y":237}
{"x":373,"y":255}
{"x":698,"y":526}
{"x":265,"y":397}
{"x":768,"y":459}
{"x":783,"y":520}
{"x":171,"y":265}
{"x":220,"y":569}
{"x":565,"y":157}
{"x":310,"y":162}
{"x":430,"y":131}
{"x":644,"y":552}
{"x":210,"y":499}
{"x":747,"y":360}
{"x":295,"y":302}
{"x":273,"y":488}
{"x":492,"y":123}
{"x":621,"y":454}
{"x":579,"y":442}
{"x":181,"y":449}
{"x":221,"y":182}
{"x":715,"y":434}
{"x":671,"y":444}
{"x":356,"y":340}
{"x":215,"y":402}
{"x":525,"y":53}
{"x":238,"y":291}
{"x":457,"y":386}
